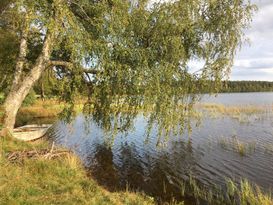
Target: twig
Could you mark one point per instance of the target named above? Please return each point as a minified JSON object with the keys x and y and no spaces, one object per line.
{"x":34,"y":154}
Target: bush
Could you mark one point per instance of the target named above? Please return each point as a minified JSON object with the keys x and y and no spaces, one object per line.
{"x":30,"y":99}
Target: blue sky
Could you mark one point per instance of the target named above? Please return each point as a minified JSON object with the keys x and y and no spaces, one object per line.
{"x":255,"y":61}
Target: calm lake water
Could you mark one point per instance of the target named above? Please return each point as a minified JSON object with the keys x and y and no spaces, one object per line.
{"x":159,"y":171}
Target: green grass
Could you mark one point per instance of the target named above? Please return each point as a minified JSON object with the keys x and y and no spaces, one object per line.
{"x":58,"y":181}
{"x":248,"y":194}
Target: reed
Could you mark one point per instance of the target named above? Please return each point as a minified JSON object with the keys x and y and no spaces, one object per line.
{"x":243,"y":193}
{"x":234,"y":110}
{"x":242,"y":113}
{"x":234,"y":144}
{"x":248,"y":194}
{"x":269,"y":148}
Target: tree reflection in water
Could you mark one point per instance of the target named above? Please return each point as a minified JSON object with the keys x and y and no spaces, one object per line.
{"x":131,"y":167}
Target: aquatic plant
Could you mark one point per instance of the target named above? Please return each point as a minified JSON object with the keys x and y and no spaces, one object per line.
{"x":244,"y":193}
{"x":234,"y":144}
{"x":242,"y":113}
{"x":248,"y":194}
{"x":269,"y":148}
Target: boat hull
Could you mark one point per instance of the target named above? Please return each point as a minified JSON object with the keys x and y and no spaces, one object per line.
{"x":30,"y":132}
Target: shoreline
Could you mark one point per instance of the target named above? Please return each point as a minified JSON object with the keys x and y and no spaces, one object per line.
{"x":61,"y":178}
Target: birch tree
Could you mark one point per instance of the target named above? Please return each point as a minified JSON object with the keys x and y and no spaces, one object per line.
{"x":128,"y":53}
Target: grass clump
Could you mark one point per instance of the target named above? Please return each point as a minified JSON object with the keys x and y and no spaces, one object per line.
{"x":233,"y":110}
{"x":247,"y":194}
{"x":269,"y":148}
{"x":234,"y":144}
{"x":242,"y":113}
{"x":56,"y":181}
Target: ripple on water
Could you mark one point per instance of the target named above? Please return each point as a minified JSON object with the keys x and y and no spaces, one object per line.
{"x":153,"y":169}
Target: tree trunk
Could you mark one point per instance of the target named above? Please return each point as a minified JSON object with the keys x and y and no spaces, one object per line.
{"x":19,"y":91}
{"x":42,"y":91}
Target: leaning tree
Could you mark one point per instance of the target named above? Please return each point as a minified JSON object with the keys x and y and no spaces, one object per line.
{"x":128,"y":54}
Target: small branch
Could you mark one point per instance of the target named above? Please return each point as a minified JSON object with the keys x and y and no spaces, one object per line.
{"x":3,"y":80}
{"x":52,"y":148}
{"x":82,"y":9}
{"x":60,"y":63}
{"x":69,"y":65}
{"x":19,"y":156}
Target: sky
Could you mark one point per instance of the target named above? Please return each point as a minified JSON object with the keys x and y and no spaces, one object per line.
{"x":255,"y":61}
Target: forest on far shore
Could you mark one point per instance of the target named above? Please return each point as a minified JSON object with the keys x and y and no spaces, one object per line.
{"x":247,"y":86}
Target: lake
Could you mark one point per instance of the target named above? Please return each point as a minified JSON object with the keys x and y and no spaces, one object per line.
{"x":210,"y":154}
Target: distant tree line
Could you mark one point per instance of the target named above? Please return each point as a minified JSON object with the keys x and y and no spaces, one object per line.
{"x":247,"y":86}
{"x":49,"y":87}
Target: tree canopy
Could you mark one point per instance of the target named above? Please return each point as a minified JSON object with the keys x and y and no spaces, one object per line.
{"x":127,"y":54}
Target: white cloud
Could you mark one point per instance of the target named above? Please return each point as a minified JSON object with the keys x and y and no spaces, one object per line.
{"x":255,"y":62}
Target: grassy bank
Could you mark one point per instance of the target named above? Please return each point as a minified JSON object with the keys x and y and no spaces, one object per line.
{"x":60,"y":180}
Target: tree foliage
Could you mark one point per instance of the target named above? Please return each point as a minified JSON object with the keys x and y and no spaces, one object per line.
{"x":131,"y":54}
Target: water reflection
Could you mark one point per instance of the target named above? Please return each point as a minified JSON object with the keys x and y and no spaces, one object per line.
{"x":101,"y":166}
{"x":131,"y":161}
{"x":128,"y":168}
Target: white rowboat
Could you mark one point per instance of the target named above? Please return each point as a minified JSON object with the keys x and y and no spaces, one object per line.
{"x":30,"y":132}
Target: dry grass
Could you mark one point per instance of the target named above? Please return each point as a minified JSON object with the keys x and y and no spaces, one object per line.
{"x":234,"y":110}
{"x":48,"y":108}
{"x":242,"y":113}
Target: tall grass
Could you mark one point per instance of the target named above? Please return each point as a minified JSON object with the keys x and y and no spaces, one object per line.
{"x":247,"y":194}
{"x":244,"y":193}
